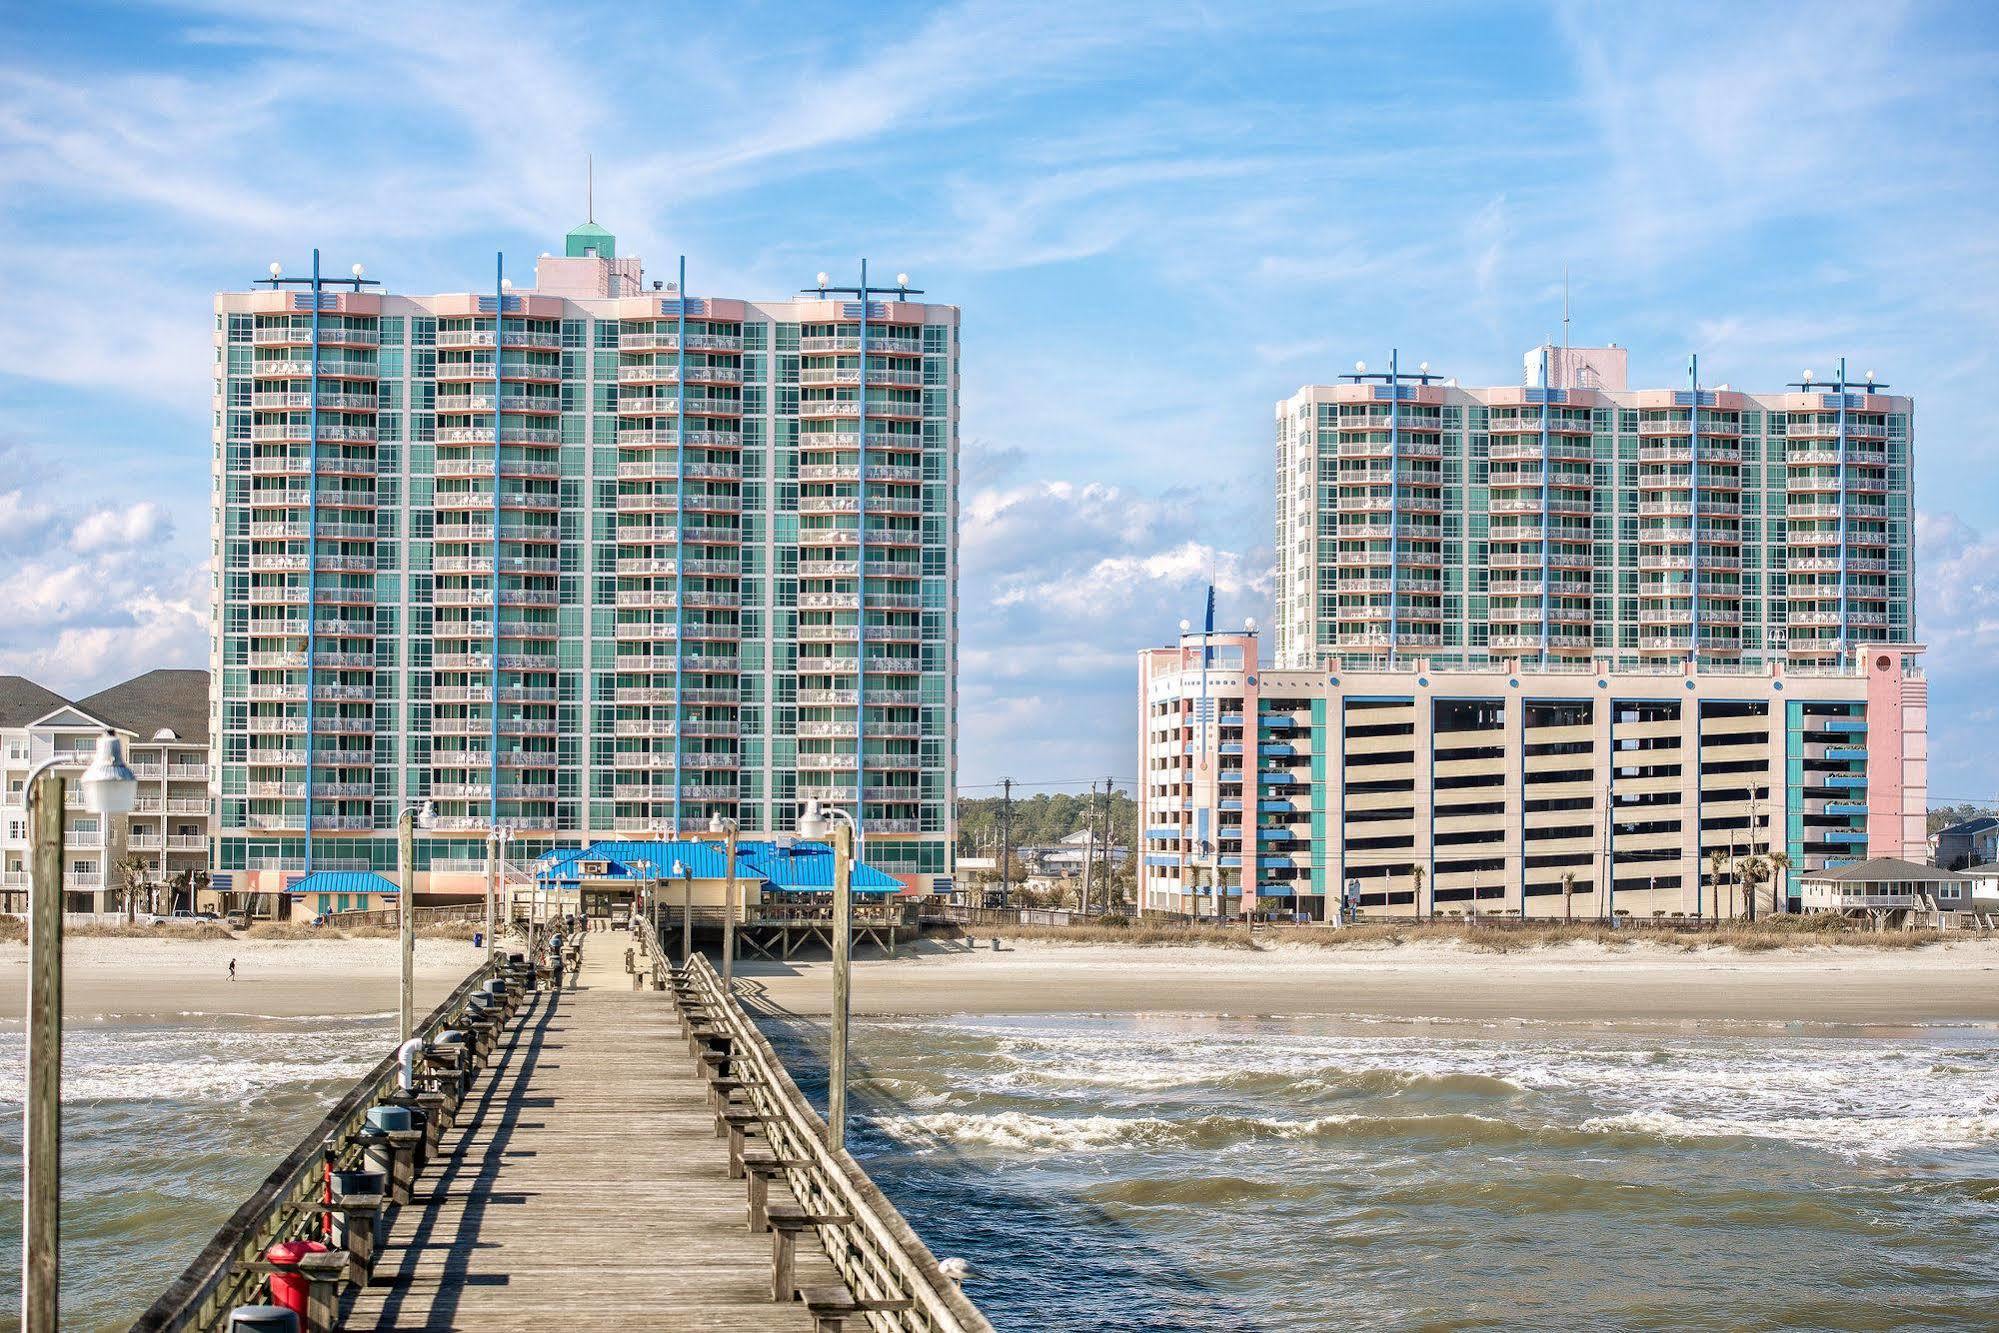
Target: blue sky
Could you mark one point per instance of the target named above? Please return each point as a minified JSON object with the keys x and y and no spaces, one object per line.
{"x":1158,"y":220}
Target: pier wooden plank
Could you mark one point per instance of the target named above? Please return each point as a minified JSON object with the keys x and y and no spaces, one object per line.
{"x":583,"y":1186}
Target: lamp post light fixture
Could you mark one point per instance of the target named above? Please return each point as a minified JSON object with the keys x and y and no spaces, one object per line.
{"x":415,"y":815}
{"x":497,"y":840}
{"x":686,"y":911}
{"x":726,"y":827}
{"x":834,"y":825}
{"x":109,"y":788}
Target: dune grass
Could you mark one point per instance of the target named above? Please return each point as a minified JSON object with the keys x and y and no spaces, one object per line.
{"x":1776,"y":933}
{"x":299,"y":930}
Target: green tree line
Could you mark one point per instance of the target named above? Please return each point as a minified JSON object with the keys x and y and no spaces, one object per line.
{"x":1041,"y":819}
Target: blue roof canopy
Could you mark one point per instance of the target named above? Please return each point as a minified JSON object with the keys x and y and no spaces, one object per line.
{"x":344,"y":881}
{"x":805,"y":867}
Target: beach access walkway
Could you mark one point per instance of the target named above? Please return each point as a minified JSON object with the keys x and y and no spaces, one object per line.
{"x":583,"y":1185}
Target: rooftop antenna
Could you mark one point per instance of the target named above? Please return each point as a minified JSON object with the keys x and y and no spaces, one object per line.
{"x":589,"y":187}
{"x":1565,"y":307}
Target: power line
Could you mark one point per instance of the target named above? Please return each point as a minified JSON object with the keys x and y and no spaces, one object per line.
{"x":1059,"y":782}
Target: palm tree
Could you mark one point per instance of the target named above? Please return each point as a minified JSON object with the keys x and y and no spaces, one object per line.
{"x":1416,"y":874}
{"x":1780,"y":902}
{"x":1753,"y":871}
{"x":133,"y":876}
{"x":1717,"y":861}
{"x":1568,"y":895}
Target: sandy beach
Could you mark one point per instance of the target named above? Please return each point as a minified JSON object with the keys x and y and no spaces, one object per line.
{"x":152,"y":978}
{"x":1957,"y":982}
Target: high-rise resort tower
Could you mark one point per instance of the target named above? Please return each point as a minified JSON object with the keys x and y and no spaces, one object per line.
{"x":714,"y":570}
{"x":1554,"y":649}
{"x":1571,"y":518}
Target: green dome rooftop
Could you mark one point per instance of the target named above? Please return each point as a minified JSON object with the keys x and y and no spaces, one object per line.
{"x":587,"y":237}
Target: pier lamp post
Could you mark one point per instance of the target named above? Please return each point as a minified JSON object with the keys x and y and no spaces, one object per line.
{"x":109,"y":788}
{"x":686,"y":911}
{"x":834,"y":825}
{"x":497,"y":839}
{"x":415,"y":815}
{"x":726,"y":827}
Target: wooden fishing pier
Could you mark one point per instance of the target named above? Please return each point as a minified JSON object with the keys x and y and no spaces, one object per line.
{"x":625,"y":1152}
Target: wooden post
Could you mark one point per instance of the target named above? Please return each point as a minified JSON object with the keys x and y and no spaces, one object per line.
{"x":686,"y":915}
{"x":406,"y":862}
{"x":41,"y":1113}
{"x":843,"y":939}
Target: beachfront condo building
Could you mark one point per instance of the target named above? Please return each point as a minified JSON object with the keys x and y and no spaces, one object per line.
{"x":1511,"y":787}
{"x":163,"y":844}
{"x":596,"y":558}
{"x":1570,"y":518}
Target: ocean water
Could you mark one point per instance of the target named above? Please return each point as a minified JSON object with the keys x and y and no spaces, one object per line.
{"x":1189,"y":1172}
{"x":1180,"y":1172}
{"x":168,"y":1124}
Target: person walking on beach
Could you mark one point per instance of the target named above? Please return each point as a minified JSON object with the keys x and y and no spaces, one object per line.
{"x":232,"y":969}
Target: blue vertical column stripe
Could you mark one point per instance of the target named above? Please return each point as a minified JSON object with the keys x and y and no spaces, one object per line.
{"x":1394,"y":501}
{"x":493,"y":704}
{"x":311,"y":556}
{"x":1839,"y":476}
{"x":679,"y":543}
{"x":1546,"y":463}
{"x":861,"y":579}
{"x":1694,"y":504}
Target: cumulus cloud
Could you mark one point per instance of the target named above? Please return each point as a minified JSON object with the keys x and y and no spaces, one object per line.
{"x":91,"y":595}
{"x":1957,"y":616}
{"x":133,"y":526}
{"x":1064,"y":582}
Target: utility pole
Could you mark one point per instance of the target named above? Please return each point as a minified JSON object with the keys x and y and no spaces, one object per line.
{"x":1110,"y":845}
{"x":1089,"y":843}
{"x":1755,"y":816}
{"x":1006,"y":842}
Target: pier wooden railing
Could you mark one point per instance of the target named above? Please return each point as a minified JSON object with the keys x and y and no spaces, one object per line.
{"x":425,"y":916}
{"x":219,"y":1279}
{"x":884,"y":1263}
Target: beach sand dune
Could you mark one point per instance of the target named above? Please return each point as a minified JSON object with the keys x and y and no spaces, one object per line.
{"x":1958,"y":982}
{"x":1586,"y":982}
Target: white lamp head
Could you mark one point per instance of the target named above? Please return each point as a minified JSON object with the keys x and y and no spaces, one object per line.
{"x":1870,"y":377}
{"x":715,"y":824}
{"x":1360,"y":367}
{"x":358,"y":270}
{"x":506,"y":284}
{"x":426,"y":815}
{"x":276,"y":268}
{"x":1249,"y":623}
{"x":812,"y":821}
{"x":1424,"y":367}
{"x":1186,"y":625}
{"x":902,"y":279}
{"x":679,"y":867}
{"x":1808,"y":377}
{"x":109,"y":787}
{"x":824,"y":279}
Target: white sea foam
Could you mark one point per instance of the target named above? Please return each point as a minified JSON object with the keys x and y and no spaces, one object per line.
{"x":1090,"y":1085}
{"x":1853,"y":1135}
{"x":200,"y":1065}
{"x":1017,"y":1131}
